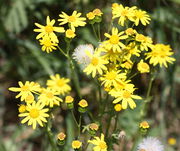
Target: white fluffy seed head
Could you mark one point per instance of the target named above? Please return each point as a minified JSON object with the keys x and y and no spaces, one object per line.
{"x":150,"y":144}
{"x":82,"y":53}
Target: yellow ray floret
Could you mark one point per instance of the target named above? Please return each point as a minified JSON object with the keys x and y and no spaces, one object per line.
{"x":49,"y":97}
{"x":60,"y":85}
{"x":100,"y":144}
{"x":126,"y":96}
{"x":26,"y":89}
{"x":35,"y":114}
{"x":114,"y":40}
{"x":123,"y":13}
{"x":74,"y":20}
{"x":161,"y":54}
{"x":47,"y":44}
{"x":48,"y":30}
{"x":96,"y":65}
{"x":111,"y":78}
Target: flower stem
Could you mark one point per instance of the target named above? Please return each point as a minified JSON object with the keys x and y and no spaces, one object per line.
{"x":95,"y":32}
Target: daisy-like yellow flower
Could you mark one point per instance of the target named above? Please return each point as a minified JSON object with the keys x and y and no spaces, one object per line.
{"x":114,"y":40}
{"x":97,"y":64}
{"x":26,"y":89}
{"x":60,"y":85}
{"x":100,"y":144}
{"x":48,"y":30}
{"x":145,"y":42}
{"x":130,"y":31}
{"x":143,"y":67}
{"x":97,"y":12}
{"x":111,"y":78}
{"x":83,"y":103}
{"x":49,"y":98}
{"x":124,"y":13}
{"x":127,"y":97}
{"x":76,"y":144}
{"x":132,"y":49}
{"x":144,"y":125}
{"x":22,"y":108}
{"x":47,"y":44}
{"x":70,"y":33}
{"x":74,"y":20}
{"x":110,"y":55}
{"x":118,"y":107}
{"x":29,"y":99}
{"x":161,"y":54}
{"x":35,"y":113}
{"x":128,"y":64}
{"x":90,"y":15}
{"x":141,"y":16}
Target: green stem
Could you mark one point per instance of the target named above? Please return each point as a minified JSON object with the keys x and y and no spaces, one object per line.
{"x":62,"y":52}
{"x":116,"y":122}
{"x":94,"y":32}
{"x":51,"y":137}
{"x":99,"y":31}
{"x":79,"y":126}
{"x":74,"y":118}
{"x":108,"y":126}
{"x":149,"y":87}
{"x":132,"y":76}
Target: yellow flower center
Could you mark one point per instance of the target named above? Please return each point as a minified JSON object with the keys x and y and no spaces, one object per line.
{"x":114,"y":39}
{"x":111,"y":76}
{"x":49,"y":29}
{"x":22,"y":108}
{"x":24,"y":88}
{"x":126,"y":94}
{"x":70,"y":32}
{"x":144,"y":124}
{"x":139,"y":14}
{"x":90,"y":15}
{"x":144,"y":66}
{"x":140,"y":37}
{"x":29,"y":99}
{"x":60,"y":82}
{"x":76,"y":144}
{"x":47,"y":43}
{"x":129,"y":31}
{"x":34,"y":113}
{"x":49,"y":95}
{"x":124,"y":12}
{"x":94,"y":126}
{"x":95,"y":61}
{"x":83,"y":103}
{"x":102,"y":145}
{"x":71,"y":19}
{"x":61,"y":136}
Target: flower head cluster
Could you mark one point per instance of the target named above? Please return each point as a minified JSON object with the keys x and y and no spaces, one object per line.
{"x":37,"y":100}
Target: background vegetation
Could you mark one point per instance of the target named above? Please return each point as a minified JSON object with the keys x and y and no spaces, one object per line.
{"x":21,"y":58}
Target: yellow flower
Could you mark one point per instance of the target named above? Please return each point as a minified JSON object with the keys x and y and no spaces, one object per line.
{"x":111,"y":78}
{"x":97,"y":12}
{"x":160,"y":54}
{"x":172,"y":141}
{"x":97,"y":64}
{"x":48,"y":30}
{"x":29,"y":99}
{"x":128,"y":64}
{"x":94,"y":126}
{"x":25,"y":89}
{"x":74,"y":20}
{"x":76,"y":144}
{"x":49,"y":98}
{"x":114,"y":40}
{"x":143,"y":67}
{"x":124,"y":13}
{"x":35,"y":113}
{"x":132,"y":49}
{"x":22,"y":108}
{"x":144,"y":125}
{"x":70,"y":33}
{"x":59,"y":84}
{"x":145,"y":42}
{"x":126,"y":97}
{"x":100,"y":144}
{"x":47,"y":44}
{"x":83,"y":103}
{"x":118,"y":107}
{"x":141,"y":16}
{"x":130,"y":31}
{"x":69,"y":99}
{"x":90,"y":15}
{"x":61,"y":136}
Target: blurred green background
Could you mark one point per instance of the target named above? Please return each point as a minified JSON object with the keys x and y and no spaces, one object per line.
{"x":21,"y":58}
